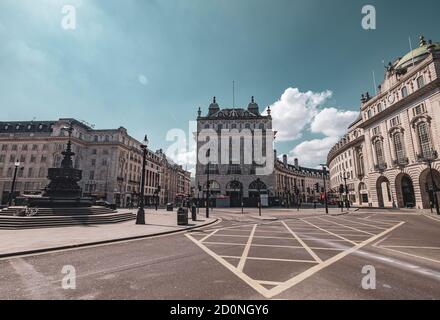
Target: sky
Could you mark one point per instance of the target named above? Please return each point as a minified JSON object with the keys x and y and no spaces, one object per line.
{"x":148,"y":65}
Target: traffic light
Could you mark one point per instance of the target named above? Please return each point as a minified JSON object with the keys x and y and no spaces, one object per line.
{"x":200,"y":187}
{"x":341,"y":188}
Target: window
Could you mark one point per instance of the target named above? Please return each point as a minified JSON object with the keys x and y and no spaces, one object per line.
{"x":24,"y":147}
{"x":420,"y":82}
{"x":93,"y":162}
{"x":91,"y":175}
{"x":33,"y":159}
{"x":424,"y":139}
{"x":34,"y":147}
{"x":43,"y":159}
{"x":4,"y":147}
{"x":395,"y":121}
{"x":206,"y":126}
{"x":376,"y":131}
{"x":369,"y":114}
{"x":419,"y":109}
{"x":94,"y":151}
{"x":2,"y":158}
{"x":398,"y":147}
{"x":379,"y":107}
{"x":378,"y":147}
{"x":30,"y":172}
{"x":14,"y":147}
{"x":404,"y":92}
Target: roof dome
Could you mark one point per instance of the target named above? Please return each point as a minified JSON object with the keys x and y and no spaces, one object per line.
{"x":213,"y":107}
{"x":418,"y":54}
{"x":253,"y":106}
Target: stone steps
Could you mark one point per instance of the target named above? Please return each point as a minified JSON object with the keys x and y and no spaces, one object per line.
{"x":10,"y":222}
{"x":60,"y":211}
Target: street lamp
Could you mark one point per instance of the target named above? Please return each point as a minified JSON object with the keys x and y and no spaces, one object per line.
{"x":259,"y":196}
{"x":207,"y":184}
{"x":11,"y":197}
{"x":429,"y":159}
{"x":140,"y":217}
{"x":324,"y":172}
{"x":343,"y":175}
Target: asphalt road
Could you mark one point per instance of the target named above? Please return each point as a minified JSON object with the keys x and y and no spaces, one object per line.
{"x":298,"y":256}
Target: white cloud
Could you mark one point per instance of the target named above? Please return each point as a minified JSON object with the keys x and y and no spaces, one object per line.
{"x":294,"y":111}
{"x":297,"y":113}
{"x":312,"y":153}
{"x":333,"y":122}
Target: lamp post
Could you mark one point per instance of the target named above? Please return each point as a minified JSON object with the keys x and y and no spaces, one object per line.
{"x":344,"y":176}
{"x":11,"y":197}
{"x":207,"y":184}
{"x":259,"y":196}
{"x":324,"y":172}
{"x":140,"y":217}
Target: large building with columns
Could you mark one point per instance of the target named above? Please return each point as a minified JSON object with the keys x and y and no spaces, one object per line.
{"x":110,"y":160}
{"x":387,"y":152}
{"x":237,"y":179}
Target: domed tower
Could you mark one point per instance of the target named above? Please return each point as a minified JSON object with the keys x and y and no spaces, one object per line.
{"x":213,"y":107}
{"x":253,"y":107}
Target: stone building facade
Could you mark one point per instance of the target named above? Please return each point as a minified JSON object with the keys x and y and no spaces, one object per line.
{"x":237,"y":178}
{"x":110,"y":160}
{"x":396,"y":137}
{"x":295,"y":183}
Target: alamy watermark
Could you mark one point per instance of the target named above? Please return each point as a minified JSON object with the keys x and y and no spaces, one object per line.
{"x":68,"y":21}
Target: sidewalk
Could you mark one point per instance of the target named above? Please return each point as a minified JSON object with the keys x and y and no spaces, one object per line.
{"x":17,"y":242}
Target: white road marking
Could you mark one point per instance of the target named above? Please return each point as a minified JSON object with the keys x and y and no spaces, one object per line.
{"x":310,"y":251}
{"x":333,"y":234}
{"x":432,"y":218}
{"x":361,"y":223}
{"x":209,"y":235}
{"x":353,"y":228}
{"x":246,"y":250}
{"x":301,"y":277}
{"x":269,"y":259}
{"x":256,"y":285}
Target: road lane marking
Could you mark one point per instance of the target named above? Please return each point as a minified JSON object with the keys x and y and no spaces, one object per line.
{"x":432,"y":218}
{"x":306,"y":274}
{"x":209,"y":235}
{"x":251,"y":282}
{"x":361,"y":223}
{"x":246,"y":250}
{"x":333,"y":234}
{"x":353,"y":228}
{"x":310,"y":251}
{"x":270,"y":283}
{"x":270,"y":259}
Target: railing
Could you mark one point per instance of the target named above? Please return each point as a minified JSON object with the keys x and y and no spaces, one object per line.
{"x":381,"y":167}
{"x":427,"y":156}
{"x":401,"y":162}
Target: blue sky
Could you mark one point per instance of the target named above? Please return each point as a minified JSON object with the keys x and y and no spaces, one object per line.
{"x":148,"y":65}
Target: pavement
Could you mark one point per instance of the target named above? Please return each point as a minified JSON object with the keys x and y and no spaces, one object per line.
{"x":304,"y":255}
{"x":26,"y":241}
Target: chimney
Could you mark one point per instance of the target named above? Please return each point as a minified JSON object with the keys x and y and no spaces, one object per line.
{"x":296,"y":164}
{"x":285,"y":160}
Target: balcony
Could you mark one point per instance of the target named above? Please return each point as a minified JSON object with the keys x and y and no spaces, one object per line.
{"x":381,"y":167}
{"x":428,"y":156}
{"x":402,"y":162}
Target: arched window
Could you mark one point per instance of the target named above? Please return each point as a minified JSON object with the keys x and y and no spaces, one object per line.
{"x":379,"y":107}
{"x":404,"y":92}
{"x":420,"y":82}
{"x":378,"y":147}
{"x":398,"y":147}
{"x":424,"y":139}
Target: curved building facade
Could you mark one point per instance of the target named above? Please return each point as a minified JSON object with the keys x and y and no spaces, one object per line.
{"x":389,"y":156}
